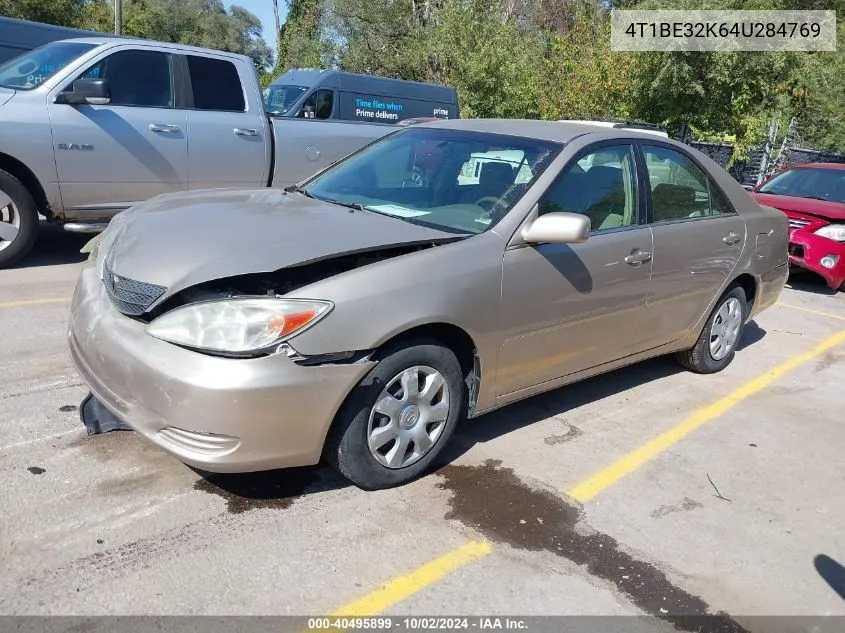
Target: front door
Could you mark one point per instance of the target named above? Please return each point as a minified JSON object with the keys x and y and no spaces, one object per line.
{"x":698,"y":240}
{"x":569,"y":307}
{"x":133,"y":148}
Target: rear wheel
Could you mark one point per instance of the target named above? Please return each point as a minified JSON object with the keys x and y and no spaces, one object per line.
{"x":715,"y":348}
{"x":399,"y":417}
{"x":18,"y":220}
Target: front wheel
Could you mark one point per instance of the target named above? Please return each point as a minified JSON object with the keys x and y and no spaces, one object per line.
{"x":18,"y":220}
{"x":715,"y":348}
{"x":399,"y":417}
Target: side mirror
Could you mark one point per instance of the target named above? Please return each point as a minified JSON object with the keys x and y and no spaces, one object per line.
{"x":91,"y":91}
{"x":557,"y":228}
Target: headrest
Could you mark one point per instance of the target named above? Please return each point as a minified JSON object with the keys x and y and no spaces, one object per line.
{"x":495,"y":173}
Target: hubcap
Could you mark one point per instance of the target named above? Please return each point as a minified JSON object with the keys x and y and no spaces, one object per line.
{"x":10,"y":220}
{"x":725,"y":329}
{"x":408,"y":417}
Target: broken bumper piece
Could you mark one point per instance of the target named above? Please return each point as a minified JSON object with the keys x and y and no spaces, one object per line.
{"x":98,"y":419}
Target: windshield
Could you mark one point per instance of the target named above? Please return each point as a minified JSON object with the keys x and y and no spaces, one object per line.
{"x":31,"y":69}
{"x":823,"y":184}
{"x":453,"y":180}
{"x":279,"y":98}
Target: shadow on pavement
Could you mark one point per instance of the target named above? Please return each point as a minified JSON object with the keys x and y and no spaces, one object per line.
{"x":55,"y":246}
{"x":808,"y":282}
{"x":270,"y":488}
{"x":560,"y":401}
{"x":832,"y":572}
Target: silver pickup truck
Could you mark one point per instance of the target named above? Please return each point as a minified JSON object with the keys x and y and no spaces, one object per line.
{"x":89,"y":127}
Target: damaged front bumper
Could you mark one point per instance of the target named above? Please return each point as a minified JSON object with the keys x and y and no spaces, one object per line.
{"x":217,"y":414}
{"x":812,"y":252}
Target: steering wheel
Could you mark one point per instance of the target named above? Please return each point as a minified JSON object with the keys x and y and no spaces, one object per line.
{"x":493,"y":200}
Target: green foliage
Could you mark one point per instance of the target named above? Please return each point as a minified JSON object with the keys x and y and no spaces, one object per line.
{"x":300,"y":45}
{"x":196,"y":22}
{"x":517,"y":58}
{"x":61,"y":12}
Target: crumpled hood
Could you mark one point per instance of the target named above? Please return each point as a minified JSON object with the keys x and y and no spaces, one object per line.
{"x":820,"y":208}
{"x":180,"y":240}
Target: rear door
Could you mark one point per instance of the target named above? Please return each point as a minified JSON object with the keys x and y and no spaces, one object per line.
{"x":227,"y":132}
{"x":110,"y":156}
{"x":698,"y":240}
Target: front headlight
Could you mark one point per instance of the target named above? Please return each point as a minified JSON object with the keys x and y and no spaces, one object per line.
{"x":238,"y":325}
{"x":833,"y":232}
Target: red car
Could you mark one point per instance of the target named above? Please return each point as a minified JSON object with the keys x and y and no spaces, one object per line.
{"x":813,"y":196}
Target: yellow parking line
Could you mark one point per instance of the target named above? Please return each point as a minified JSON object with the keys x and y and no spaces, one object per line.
{"x":400,"y":588}
{"x":405,"y":586}
{"x":818,"y":312}
{"x":609,"y":475}
{"x":33,"y":302}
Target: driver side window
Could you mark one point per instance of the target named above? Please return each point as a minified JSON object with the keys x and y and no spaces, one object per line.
{"x":136,"y":78}
{"x":318,"y":106}
{"x":601,"y":185}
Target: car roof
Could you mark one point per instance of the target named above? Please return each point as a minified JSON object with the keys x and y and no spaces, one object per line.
{"x":134,"y":41}
{"x":840,"y":166}
{"x":556,"y":131}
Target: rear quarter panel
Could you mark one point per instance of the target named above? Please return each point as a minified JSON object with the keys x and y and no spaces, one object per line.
{"x":305,"y":146}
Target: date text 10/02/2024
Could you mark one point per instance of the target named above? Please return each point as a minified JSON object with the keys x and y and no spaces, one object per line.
{"x":417,"y":623}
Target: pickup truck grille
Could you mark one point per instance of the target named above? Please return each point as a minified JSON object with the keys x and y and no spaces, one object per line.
{"x":798,"y":223}
{"x":130,"y":297}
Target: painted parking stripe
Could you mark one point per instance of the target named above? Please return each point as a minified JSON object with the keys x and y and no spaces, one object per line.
{"x":627,"y":464}
{"x":811,"y":311}
{"x":33,"y":302}
{"x":405,"y":586}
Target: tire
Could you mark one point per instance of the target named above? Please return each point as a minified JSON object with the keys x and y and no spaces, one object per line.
{"x":701,"y":358}
{"x":347,"y":447}
{"x":17,"y":209}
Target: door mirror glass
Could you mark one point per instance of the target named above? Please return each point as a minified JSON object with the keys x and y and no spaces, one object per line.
{"x":558,"y":228}
{"x":90,"y":91}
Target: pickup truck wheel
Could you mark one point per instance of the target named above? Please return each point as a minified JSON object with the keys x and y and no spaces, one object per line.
{"x":399,"y":417}
{"x":714,"y":350}
{"x":18,"y":220}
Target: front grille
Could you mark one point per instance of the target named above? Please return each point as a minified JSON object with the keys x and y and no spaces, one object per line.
{"x":129,"y":296}
{"x":798,"y":223}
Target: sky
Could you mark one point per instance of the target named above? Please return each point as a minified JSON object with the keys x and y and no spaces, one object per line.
{"x":263,"y":9}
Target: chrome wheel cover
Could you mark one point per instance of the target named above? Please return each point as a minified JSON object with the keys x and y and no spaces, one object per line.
{"x":725,"y":329}
{"x":409,"y":416}
{"x":10,"y":220}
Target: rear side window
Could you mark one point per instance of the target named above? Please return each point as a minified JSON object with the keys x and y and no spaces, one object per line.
{"x":216,"y":85}
{"x":679,"y":188}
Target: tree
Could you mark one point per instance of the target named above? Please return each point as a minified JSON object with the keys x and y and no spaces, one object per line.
{"x":60,"y":12}
{"x":196,"y":22}
{"x":300,"y":37}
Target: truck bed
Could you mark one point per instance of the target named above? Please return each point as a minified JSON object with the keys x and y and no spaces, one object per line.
{"x":302,"y":147}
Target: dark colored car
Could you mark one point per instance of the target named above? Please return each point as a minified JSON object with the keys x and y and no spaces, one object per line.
{"x":813,"y":197}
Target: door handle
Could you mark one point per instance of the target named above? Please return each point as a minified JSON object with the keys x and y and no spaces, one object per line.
{"x":731,"y":238}
{"x":165,"y":128}
{"x":637,"y":257}
{"x":240,"y":131}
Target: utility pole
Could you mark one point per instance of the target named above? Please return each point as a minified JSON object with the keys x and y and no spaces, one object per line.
{"x":118,"y":16}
